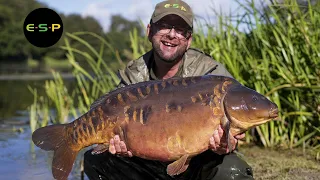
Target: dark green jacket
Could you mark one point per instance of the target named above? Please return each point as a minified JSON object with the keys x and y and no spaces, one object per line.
{"x":195,"y":63}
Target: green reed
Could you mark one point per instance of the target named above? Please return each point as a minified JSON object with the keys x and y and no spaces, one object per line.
{"x":39,"y":111}
{"x":280,"y":60}
{"x":91,"y":82}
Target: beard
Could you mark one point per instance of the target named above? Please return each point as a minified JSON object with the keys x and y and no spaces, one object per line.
{"x":173,"y":57}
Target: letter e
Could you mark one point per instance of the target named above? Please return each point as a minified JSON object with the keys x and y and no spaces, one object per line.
{"x":30,"y":27}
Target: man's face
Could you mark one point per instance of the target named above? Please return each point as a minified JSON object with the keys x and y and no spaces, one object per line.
{"x":170,"y":44}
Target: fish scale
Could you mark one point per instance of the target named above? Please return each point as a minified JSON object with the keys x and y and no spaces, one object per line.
{"x":168,"y":120}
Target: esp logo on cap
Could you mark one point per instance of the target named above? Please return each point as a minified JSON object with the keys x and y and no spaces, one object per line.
{"x":177,"y":6}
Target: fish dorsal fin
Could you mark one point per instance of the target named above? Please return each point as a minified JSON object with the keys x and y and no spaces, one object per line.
{"x":178,"y":166}
{"x":121,"y":89}
{"x":128,"y":88}
{"x":99,"y":101}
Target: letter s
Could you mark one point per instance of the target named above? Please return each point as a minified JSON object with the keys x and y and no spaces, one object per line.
{"x":43,"y":28}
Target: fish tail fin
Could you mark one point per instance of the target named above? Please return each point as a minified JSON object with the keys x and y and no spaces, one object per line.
{"x":55,"y":138}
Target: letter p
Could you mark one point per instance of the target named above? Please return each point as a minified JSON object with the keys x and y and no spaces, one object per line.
{"x":55,"y":26}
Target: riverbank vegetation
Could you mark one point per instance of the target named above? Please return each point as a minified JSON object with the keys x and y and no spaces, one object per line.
{"x":278,"y":56}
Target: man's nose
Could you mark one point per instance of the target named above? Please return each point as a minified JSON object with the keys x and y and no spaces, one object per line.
{"x":172,"y":33}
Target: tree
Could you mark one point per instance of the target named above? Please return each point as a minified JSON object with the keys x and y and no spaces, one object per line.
{"x":118,"y":34}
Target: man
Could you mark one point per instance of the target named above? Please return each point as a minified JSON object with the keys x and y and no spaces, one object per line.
{"x":170,"y":32}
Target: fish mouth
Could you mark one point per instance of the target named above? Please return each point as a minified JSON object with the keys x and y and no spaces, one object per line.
{"x":274,"y":113}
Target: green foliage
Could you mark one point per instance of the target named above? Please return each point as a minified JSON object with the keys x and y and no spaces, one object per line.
{"x":278,"y":58}
{"x":92,"y":82}
{"x":39,"y":111}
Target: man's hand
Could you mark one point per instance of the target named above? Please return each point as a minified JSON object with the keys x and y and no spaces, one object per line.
{"x":118,"y":147}
{"x":221,"y":147}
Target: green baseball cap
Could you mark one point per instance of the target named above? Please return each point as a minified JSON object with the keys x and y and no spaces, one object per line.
{"x":176,"y":7}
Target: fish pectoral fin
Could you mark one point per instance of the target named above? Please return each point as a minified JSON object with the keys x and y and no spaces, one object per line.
{"x":100,"y":148}
{"x":183,"y":169}
{"x":178,"y":166}
{"x":229,"y":143}
{"x":228,"y":134}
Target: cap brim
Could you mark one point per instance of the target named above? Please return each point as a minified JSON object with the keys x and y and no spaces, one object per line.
{"x":157,"y":18}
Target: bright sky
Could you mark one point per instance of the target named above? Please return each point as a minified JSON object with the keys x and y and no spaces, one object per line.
{"x":135,"y":9}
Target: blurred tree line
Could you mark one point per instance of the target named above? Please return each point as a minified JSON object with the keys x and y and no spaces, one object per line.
{"x":14,"y":47}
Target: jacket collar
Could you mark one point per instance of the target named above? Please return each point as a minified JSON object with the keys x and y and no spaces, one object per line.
{"x":138,"y":70}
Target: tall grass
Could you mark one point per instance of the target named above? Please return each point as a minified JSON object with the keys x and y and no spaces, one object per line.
{"x":278,"y":58}
{"x":90,"y":84}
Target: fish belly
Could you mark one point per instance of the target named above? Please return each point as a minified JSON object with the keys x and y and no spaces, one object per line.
{"x":167,"y":136}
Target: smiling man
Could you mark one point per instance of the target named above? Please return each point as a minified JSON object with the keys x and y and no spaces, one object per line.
{"x":170,"y":32}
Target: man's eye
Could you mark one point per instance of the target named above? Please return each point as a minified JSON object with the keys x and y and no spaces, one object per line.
{"x":180,"y":30}
{"x":165,"y":26}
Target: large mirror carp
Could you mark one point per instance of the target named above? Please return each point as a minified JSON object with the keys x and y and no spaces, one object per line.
{"x":168,"y":120}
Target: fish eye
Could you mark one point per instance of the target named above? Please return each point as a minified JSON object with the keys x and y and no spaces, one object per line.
{"x":254,"y":98}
